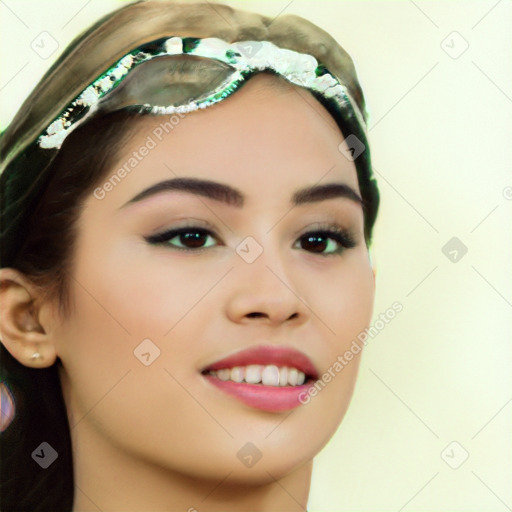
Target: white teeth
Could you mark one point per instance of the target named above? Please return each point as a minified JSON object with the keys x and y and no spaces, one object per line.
{"x":237,"y":374}
{"x":224,"y":374}
{"x":270,"y":375}
{"x":283,"y":376}
{"x":253,"y":374}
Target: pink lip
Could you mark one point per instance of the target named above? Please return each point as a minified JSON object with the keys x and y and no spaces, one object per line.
{"x":267,"y":398}
{"x":265,"y":355}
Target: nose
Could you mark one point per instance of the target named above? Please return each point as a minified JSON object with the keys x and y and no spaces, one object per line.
{"x":265,"y":293}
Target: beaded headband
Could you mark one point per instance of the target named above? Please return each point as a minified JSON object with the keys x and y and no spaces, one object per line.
{"x":245,"y":57}
{"x":24,"y":169}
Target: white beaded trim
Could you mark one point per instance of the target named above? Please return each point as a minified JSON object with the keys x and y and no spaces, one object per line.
{"x":243,"y":56}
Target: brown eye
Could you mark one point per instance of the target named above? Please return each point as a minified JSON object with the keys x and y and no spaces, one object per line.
{"x":314,"y":243}
{"x":327,"y":242}
{"x":183,"y":238}
{"x":193,"y":239}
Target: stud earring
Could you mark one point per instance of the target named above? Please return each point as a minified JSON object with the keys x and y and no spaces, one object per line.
{"x":35,"y":356}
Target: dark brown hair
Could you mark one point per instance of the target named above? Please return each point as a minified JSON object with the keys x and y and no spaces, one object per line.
{"x":40,"y":413}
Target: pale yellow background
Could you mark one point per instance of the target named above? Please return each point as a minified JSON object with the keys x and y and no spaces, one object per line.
{"x":441,"y":134}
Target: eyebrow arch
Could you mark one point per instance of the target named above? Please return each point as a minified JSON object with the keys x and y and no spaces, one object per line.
{"x":199,"y":187}
{"x":327,"y":191}
{"x":233,"y":197}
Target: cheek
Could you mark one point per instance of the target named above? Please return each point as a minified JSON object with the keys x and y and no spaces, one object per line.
{"x":145,"y":295}
{"x":120,"y":303}
{"x":343,"y":300}
{"x":345,"y":308}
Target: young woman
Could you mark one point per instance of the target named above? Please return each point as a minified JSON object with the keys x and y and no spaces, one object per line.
{"x":187,"y":211}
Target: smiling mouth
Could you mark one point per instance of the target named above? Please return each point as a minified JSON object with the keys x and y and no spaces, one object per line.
{"x":269,"y":378}
{"x":263,"y":375}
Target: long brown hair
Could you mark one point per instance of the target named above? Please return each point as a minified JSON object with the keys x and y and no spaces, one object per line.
{"x":40,"y":413}
{"x":46,"y":246}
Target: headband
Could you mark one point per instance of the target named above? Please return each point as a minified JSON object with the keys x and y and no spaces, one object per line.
{"x":245,"y":58}
{"x":24,"y":169}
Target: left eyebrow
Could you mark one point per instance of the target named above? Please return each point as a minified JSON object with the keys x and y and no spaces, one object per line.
{"x":323,"y":192}
{"x":233,"y":197}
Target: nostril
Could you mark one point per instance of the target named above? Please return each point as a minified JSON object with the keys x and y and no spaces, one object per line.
{"x":263,"y":315}
{"x":255,"y":315}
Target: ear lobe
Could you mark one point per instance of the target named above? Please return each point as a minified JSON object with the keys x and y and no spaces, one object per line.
{"x":20,"y":330}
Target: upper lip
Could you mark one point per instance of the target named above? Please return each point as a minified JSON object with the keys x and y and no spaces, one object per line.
{"x":267,"y":355}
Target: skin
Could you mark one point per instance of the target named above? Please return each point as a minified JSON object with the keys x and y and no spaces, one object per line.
{"x":160,"y":437}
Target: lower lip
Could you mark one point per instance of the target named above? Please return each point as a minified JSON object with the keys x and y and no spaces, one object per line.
{"x":266,"y":398}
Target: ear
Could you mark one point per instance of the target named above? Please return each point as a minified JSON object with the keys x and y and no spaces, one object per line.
{"x":26,"y":325}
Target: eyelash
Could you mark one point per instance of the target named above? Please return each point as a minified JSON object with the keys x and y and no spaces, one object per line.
{"x":329,"y":231}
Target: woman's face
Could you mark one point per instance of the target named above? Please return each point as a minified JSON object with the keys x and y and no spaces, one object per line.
{"x":149,"y":315}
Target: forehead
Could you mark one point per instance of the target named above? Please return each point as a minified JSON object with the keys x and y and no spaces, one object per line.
{"x":268,"y":134}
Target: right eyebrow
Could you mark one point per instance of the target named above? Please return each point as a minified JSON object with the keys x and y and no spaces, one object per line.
{"x":206,"y":188}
